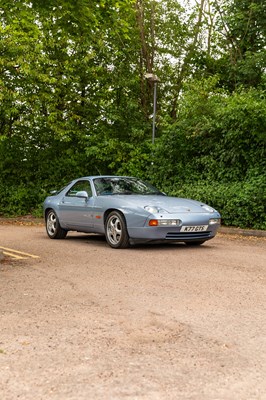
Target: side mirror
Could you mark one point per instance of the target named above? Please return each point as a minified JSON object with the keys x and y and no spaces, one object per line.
{"x":82,"y":194}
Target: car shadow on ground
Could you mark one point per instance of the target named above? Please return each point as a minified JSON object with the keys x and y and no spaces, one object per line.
{"x":99,"y":240}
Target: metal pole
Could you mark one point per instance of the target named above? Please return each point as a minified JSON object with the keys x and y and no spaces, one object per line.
{"x":154,"y":110}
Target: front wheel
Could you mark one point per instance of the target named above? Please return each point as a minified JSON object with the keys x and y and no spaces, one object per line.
{"x":116,"y":231}
{"x":53,"y":228}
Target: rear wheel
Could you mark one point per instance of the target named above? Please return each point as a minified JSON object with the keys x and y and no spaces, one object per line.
{"x":116,"y":231}
{"x":53,"y":228}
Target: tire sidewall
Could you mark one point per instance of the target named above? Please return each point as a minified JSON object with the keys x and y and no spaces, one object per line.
{"x":124,"y":239}
{"x":50,"y":212}
{"x":59,"y":232}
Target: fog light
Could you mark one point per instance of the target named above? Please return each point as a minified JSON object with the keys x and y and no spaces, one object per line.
{"x":214,"y":221}
{"x":169,"y":222}
{"x":163,"y":222}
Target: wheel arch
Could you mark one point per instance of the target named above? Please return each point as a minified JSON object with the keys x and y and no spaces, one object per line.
{"x":107,"y":212}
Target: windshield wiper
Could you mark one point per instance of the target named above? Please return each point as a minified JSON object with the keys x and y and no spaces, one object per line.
{"x":153,"y":193}
{"x":122,"y":193}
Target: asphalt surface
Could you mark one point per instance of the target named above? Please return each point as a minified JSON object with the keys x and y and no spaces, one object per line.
{"x":80,"y":320}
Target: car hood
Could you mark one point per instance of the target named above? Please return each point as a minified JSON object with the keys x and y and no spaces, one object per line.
{"x":170,"y":204}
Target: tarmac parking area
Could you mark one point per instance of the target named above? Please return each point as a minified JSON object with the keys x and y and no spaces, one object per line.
{"x":79,"y":320}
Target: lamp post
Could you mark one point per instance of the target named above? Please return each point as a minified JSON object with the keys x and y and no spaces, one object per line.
{"x":154,"y":79}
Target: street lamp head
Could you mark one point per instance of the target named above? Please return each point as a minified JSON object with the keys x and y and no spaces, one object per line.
{"x":151,"y":77}
{"x":154,"y":79}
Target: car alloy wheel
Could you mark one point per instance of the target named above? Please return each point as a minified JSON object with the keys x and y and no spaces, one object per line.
{"x":116,"y":230}
{"x":53,"y":227}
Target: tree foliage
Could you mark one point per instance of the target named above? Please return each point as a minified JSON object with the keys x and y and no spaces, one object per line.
{"x":74,"y":99}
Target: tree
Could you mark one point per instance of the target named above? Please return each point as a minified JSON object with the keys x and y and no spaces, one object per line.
{"x":244,"y":29}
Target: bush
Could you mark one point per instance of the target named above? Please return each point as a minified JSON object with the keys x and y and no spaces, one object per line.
{"x":241,"y":204}
{"x":21,"y":200}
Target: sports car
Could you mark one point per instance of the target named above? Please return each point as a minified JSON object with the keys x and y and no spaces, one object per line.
{"x":127,"y":211}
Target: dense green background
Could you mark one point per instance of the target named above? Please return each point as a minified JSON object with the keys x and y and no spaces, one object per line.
{"x":74,"y":100}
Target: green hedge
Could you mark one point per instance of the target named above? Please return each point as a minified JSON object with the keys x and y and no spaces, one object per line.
{"x":241,"y":204}
{"x":21,"y":200}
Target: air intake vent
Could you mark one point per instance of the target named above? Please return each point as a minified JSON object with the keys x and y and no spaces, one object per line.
{"x":187,"y":236}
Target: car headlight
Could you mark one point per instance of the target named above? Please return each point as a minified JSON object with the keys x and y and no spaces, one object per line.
{"x":153,"y":209}
{"x":208,"y":208}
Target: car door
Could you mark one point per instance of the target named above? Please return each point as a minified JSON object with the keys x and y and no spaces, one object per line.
{"x":77,"y":212}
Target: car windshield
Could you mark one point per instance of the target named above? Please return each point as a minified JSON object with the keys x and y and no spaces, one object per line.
{"x":56,"y":192}
{"x":123,"y":185}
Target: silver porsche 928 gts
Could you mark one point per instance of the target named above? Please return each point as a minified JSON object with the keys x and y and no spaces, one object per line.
{"x":127,"y":210}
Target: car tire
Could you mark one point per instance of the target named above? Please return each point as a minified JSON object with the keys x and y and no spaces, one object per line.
{"x":53,"y":228}
{"x":116,"y":230}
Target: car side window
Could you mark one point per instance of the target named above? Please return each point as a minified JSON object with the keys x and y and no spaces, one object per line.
{"x":79,"y":187}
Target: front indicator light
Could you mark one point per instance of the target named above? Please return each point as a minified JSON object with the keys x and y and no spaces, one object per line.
{"x":214,"y":221}
{"x":153,"y":222}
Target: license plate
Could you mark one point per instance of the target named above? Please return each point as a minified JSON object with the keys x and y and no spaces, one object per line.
{"x":198,"y":228}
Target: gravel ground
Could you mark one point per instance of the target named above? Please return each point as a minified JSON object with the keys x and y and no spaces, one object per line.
{"x":84,"y":321}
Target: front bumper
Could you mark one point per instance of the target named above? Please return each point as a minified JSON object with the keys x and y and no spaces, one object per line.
{"x":173,"y":233}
